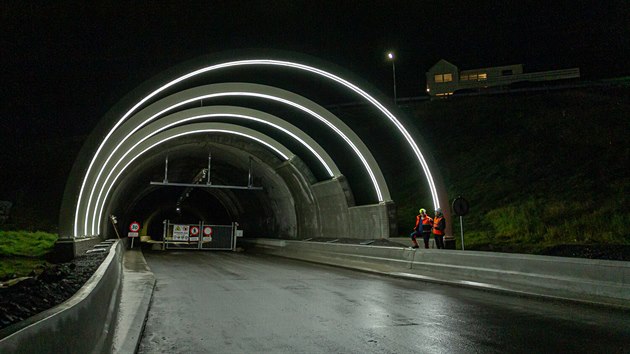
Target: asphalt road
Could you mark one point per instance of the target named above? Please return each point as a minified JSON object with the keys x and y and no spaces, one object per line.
{"x":224,"y":302}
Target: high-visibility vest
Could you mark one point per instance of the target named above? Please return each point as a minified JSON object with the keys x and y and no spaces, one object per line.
{"x":436,"y":224}
{"x":427,"y":223}
{"x":417,"y":221}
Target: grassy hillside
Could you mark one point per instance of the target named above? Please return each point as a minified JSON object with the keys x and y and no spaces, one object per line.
{"x":538,"y":169}
{"x":21,"y":252}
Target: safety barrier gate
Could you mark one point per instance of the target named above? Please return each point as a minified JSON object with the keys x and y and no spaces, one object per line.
{"x":200,"y":236}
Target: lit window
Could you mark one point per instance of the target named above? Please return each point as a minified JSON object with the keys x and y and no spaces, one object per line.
{"x":483,"y":76}
{"x":443,"y":77}
{"x":463,"y":78}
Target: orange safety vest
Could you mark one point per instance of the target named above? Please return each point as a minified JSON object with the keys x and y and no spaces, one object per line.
{"x":427,"y":223}
{"x":436,"y":224}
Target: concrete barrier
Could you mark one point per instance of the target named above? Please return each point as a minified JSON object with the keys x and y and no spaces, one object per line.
{"x":82,"y":324}
{"x":576,"y":279}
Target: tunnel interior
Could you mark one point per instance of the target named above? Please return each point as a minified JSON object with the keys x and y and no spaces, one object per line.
{"x":259,"y":213}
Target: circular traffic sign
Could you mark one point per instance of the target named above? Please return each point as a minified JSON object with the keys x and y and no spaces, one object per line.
{"x":194,"y":230}
{"x":134,"y":226}
{"x":207,"y":231}
{"x":460,"y":206}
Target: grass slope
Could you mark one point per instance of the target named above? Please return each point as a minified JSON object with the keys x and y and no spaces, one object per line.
{"x":538,"y":169}
{"x":21,"y":252}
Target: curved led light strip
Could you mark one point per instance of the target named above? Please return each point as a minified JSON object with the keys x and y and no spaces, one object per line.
{"x":320,"y":72}
{"x":377,"y":188}
{"x":111,"y":185}
{"x":184,"y":120}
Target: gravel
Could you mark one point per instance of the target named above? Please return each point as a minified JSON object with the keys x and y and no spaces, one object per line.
{"x":53,"y":286}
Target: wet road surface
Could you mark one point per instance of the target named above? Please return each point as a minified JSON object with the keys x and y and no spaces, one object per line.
{"x":224,"y":302}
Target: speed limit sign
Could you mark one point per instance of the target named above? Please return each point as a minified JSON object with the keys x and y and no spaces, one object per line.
{"x":134,"y":226}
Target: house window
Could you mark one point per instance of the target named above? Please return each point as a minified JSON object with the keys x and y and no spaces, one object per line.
{"x":443,"y":77}
{"x":483,"y":76}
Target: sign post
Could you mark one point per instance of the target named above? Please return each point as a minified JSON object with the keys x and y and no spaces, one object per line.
{"x":461,"y":207}
{"x":134,"y":229}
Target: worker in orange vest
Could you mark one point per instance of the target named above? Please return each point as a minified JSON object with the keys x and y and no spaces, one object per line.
{"x":439,"y":225}
{"x":417,"y":229}
{"x":427,"y":225}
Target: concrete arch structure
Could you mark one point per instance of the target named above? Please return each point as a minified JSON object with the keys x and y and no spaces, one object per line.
{"x":329,"y":200}
{"x":179,"y":99}
{"x":193,"y":114}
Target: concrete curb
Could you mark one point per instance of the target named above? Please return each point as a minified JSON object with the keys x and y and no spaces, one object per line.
{"x":567,"y":279}
{"x":138,"y":283}
{"x":88,"y":313}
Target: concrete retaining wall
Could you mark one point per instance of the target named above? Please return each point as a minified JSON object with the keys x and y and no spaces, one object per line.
{"x":585,"y":280}
{"x":82,"y":324}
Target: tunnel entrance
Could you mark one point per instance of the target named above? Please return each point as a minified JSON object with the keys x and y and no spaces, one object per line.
{"x":318,"y":178}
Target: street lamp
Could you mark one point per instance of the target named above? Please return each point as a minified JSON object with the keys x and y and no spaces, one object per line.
{"x":390,"y":55}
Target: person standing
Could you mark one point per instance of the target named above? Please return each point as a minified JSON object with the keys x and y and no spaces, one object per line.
{"x":417,"y":229}
{"x":439,"y":225}
{"x":427,"y":225}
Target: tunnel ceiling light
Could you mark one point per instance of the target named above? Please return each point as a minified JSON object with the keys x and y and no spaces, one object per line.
{"x":281,"y":63}
{"x":97,"y":220}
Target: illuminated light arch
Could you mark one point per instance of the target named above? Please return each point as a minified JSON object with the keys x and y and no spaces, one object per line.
{"x":169,"y":103}
{"x":270,"y":62}
{"x":193,"y":114}
{"x":284,"y":153}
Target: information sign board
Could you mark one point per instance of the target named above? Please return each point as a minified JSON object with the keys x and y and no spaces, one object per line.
{"x":181,"y":232}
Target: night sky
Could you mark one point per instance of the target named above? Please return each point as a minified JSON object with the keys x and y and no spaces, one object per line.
{"x":64,"y":64}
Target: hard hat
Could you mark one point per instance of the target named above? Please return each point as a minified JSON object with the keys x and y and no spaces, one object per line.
{"x":422,"y":211}
{"x":438,"y":210}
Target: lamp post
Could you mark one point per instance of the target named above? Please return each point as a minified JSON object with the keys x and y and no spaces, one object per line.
{"x":390,"y":55}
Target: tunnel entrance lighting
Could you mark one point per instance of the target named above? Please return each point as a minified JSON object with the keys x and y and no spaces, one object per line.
{"x":288,"y":200}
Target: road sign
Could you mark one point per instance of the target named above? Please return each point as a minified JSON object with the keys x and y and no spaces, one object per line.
{"x":194,"y":233}
{"x":207,"y":233}
{"x":460,"y":206}
{"x":134,"y":226}
{"x":132,"y":234}
{"x":180,"y":232}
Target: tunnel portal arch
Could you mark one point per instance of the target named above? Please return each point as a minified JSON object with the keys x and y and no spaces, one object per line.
{"x":88,"y":189}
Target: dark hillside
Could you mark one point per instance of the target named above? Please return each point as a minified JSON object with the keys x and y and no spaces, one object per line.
{"x":539,"y":169}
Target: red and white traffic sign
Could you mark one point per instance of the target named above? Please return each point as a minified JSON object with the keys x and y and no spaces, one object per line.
{"x":194,"y":230}
{"x":134,"y":226}
{"x":207,"y":234}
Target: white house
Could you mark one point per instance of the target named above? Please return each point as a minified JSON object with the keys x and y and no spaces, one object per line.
{"x":444,"y":78}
